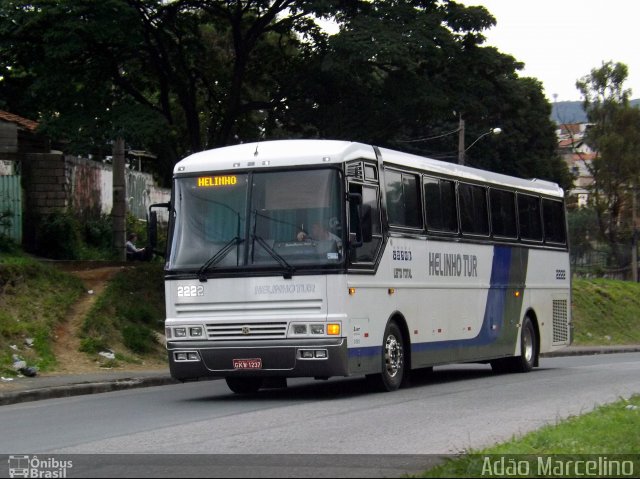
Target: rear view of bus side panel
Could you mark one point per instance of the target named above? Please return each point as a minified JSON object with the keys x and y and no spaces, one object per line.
{"x":548,"y":297}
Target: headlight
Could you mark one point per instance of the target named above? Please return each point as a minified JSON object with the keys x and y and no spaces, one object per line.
{"x":317,"y":329}
{"x":185,"y":332}
{"x":299,"y":329}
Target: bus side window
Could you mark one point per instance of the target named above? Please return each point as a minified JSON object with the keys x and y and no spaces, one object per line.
{"x":554,"y":223}
{"x":474,"y":217}
{"x":403,"y":199}
{"x":440,"y":205}
{"x":529,"y":217}
{"x":367,"y":252}
{"x":503,"y":213}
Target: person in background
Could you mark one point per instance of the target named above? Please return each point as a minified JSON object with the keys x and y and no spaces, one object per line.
{"x":133,"y":252}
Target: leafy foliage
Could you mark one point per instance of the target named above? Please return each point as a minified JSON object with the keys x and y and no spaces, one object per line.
{"x":178,"y":77}
{"x":615,"y":136}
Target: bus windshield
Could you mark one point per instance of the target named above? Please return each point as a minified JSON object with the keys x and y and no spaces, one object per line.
{"x":256,"y":220}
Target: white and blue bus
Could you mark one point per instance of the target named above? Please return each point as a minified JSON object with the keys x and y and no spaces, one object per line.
{"x":317,"y":258}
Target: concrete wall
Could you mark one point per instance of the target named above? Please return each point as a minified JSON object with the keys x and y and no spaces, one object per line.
{"x":92,"y":188}
{"x":54,"y":182}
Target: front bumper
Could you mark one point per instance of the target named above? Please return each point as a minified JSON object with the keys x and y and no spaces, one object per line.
{"x":279,"y":358}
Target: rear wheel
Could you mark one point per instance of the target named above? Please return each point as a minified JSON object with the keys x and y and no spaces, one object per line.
{"x":528,"y":352}
{"x":528,"y":348}
{"x":244,"y":385}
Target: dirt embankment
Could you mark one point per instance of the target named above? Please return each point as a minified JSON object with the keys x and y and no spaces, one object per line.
{"x":67,"y":337}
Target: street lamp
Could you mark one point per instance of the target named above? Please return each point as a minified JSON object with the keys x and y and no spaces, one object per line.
{"x":461,"y":148}
{"x":460,"y":131}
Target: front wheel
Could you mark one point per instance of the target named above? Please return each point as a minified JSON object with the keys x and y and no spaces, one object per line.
{"x":244,"y":385}
{"x":393,"y":360}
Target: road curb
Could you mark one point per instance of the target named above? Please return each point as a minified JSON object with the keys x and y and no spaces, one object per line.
{"x":133,"y":382}
{"x":37,"y":394}
{"x":591,"y":350}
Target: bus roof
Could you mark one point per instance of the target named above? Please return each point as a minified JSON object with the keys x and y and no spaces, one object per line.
{"x":284,"y":153}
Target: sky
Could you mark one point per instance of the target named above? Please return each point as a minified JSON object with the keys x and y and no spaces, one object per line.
{"x":560,"y":41}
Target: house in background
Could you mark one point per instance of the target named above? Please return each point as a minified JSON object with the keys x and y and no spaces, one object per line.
{"x":578,"y":156}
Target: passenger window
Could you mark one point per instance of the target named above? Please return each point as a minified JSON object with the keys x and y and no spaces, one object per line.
{"x":440,"y":205}
{"x":474,"y":217}
{"x":503,"y":213}
{"x":529,"y":217}
{"x":554,"y":223}
{"x":403,"y":199}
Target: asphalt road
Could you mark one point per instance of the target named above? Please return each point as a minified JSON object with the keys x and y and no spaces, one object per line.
{"x":323,"y":429}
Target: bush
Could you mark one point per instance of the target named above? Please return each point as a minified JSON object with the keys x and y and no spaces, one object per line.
{"x":137,"y":338}
{"x":59,"y":236}
{"x":98,"y":232}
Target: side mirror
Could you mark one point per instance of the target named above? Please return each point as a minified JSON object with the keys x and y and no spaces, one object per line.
{"x":152,"y":224}
{"x":152,"y":231}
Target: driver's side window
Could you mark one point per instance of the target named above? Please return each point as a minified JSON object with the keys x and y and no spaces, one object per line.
{"x":367,"y":252}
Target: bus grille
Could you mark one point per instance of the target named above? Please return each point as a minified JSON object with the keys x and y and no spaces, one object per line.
{"x":560,"y":326}
{"x":232,"y":310}
{"x":240,"y":331}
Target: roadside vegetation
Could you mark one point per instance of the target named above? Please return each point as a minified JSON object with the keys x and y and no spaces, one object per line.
{"x":612,"y":429}
{"x":128,"y":318}
{"x":34,"y":299}
{"x":606,"y":312}
{"x":125,"y":323}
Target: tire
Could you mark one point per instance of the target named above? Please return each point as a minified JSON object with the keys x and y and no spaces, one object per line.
{"x":393,"y":360}
{"x":528,"y":348}
{"x":528,"y":352}
{"x":244,"y":385}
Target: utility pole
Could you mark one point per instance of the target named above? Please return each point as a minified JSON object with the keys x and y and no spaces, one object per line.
{"x":461,"y":142}
{"x":119,"y":202}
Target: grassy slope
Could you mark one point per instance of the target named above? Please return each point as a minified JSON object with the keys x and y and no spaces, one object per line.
{"x":129,"y":315}
{"x":34,"y":298}
{"x":606,"y":312}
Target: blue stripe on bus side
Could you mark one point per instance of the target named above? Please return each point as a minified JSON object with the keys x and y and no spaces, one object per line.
{"x":494,"y":309}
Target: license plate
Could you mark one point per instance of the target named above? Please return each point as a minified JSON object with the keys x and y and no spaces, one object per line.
{"x":255,"y":363}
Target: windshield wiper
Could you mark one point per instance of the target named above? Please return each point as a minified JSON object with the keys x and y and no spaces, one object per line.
{"x":288,"y":269}
{"x":219,"y":256}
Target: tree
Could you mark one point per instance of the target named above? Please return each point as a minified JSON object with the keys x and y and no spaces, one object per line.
{"x":176,"y":76}
{"x":615,"y":135}
{"x":181,"y":76}
{"x":401,"y":71}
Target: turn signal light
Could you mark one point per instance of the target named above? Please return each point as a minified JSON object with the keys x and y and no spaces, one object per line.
{"x":333,"y":329}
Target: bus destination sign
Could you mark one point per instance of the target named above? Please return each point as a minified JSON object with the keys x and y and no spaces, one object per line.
{"x":208,"y":181}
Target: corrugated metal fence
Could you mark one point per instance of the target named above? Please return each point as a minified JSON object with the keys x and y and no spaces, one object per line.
{"x":11,"y":205}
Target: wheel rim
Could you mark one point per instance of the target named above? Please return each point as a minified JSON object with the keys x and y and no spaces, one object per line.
{"x":393,"y":355}
{"x":527,"y":344}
